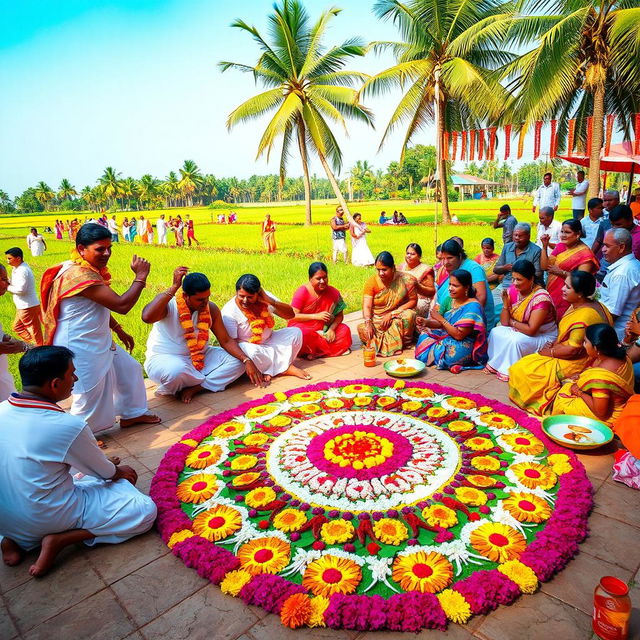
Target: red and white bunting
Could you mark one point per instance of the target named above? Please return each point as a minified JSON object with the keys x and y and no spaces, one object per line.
{"x":507,"y":141}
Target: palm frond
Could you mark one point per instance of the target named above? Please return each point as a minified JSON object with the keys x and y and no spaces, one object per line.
{"x":255,"y":107}
{"x":279,"y":123}
{"x":396,"y":77}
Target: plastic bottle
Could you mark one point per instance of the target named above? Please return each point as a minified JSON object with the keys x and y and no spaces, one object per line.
{"x":611,"y":609}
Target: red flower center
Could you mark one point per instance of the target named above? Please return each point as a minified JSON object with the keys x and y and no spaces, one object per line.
{"x":216,"y":523}
{"x":263,"y":555}
{"x":525,"y":505}
{"x":204,"y":454}
{"x":532,"y":473}
{"x":522,"y":441}
{"x":331,"y":576}
{"x":422,"y":570}
{"x":199,"y":486}
{"x":229,"y":429}
{"x":498,"y":540}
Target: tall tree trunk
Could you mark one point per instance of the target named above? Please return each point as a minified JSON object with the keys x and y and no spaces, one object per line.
{"x":335,"y":186}
{"x":597,"y":140}
{"x":305,"y":172}
{"x":441,"y":162}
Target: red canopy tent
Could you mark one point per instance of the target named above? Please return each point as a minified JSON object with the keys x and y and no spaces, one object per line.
{"x":620,"y":159}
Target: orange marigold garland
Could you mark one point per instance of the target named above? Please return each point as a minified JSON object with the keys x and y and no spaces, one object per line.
{"x":258,"y":322}
{"x":195,"y":342}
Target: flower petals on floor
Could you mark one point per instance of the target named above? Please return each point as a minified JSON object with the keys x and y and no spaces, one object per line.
{"x":369,"y":504}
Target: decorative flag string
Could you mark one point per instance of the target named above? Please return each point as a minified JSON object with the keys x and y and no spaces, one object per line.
{"x":536,"y":139}
{"x":523,"y":133}
{"x":637,"y":130}
{"x":553,"y":145}
{"x":472,"y":145}
{"x":571,"y":136}
{"x":454,"y":144}
{"x":463,"y":151}
{"x":492,"y":143}
{"x":480,"y":144}
{"x":507,"y":141}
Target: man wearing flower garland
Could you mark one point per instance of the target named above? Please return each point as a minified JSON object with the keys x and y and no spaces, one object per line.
{"x":77,"y":301}
{"x":179,"y":357}
{"x":41,"y":503}
{"x":248,"y":318}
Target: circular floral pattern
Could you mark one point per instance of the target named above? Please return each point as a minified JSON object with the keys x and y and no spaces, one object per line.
{"x":368,"y":505}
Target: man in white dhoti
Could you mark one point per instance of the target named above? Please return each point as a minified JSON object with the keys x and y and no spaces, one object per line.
{"x":77,"y":302}
{"x":41,"y":503}
{"x":179,"y":356}
{"x":161,"y":228}
{"x":248,"y":318}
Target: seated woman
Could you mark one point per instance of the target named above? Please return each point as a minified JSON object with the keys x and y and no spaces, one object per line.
{"x":535,"y":380}
{"x":423,"y":274}
{"x":604,"y":387}
{"x":527,"y":321}
{"x":319,"y":315}
{"x":487,"y":259}
{"x":454,"y":336}
{"x":569,"y":254}
{"x":453,"y":257}
{"x":388,"y":308}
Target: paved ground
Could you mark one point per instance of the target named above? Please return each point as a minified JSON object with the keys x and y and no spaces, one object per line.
{"x":138,"y":590}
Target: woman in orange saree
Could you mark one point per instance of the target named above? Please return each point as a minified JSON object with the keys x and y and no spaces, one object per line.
{"x":269,"y":234}
{"x":569,"y":254}
{"x":319,"y":315}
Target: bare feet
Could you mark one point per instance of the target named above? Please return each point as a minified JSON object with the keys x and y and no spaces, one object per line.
{"x":146,"y":418}
{"x":267,"y":379}
{"x":52,"y":545}
{"x":346,"y":353}
{"x":114,"y":459}
{"x":12,"y":554}
{"x":186,"y":395}
{"x":297,"y":372}
{"x":309,"y":357}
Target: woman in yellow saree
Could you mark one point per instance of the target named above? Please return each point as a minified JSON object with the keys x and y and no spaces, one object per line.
{"x":269,"y":234}
{"x":569,"y":254}
{"x":603,"y":388}
{"x":388,"y":308}
{"x":535,"y":380}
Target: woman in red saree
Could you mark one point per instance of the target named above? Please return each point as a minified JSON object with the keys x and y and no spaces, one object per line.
{"x":570,"y":254}
{"x":319,"y":315}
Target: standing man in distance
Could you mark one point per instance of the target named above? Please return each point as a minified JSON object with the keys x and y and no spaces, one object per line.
{"x":339,"y":227}
{"x":161,"y":227}
{"x":112,"y":225}
{"x":507,"y":221}
{"x":578,"y":196}
{"x":28,"y":320}
{"x":591,"y":223}
{"x":547,"y":194}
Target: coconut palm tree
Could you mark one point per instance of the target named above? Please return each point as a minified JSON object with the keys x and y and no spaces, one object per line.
{"x":110,"y":183}
{"x":171,"y":189}
{"x":585,"y":63}
{"x":130,"y":190}
{"x":44,"y":194}
{"x":307,"y":87}
{"x":444,"y":67}
{"x":147,"y":188}
{"x":66,"y":191}
{"x":190,"y":180}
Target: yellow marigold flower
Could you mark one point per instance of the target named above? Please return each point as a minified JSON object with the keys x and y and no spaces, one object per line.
{"x":256,"y":439}
{"x":280,"y":421}
{"x":470,"y":496}
{"x":479,"y":444}
{"x":357,"y":388}
{"x":241,"y":463}
{"x":306,"y":396}
{"x":437,"y":515}
{"x":280,"y":396}
{"x":189,"y":442}
{"x":460,"y":425}
{"x":524,"y":443}
{"x":197,"y":488}
{"x":533,"y":475}
{"x":234,"y":581}
{"x":228,"y":430}
{"x":454,"y":605}
{"x":390,"y":531}
{"x":309,"y":408}
{"x":437,"y":412}
{"x":337,"y":531}
{"x":461,"y":403}
{"x":319,"y":605}
{"x":399,"y":384}
{"x":245,"y":478}
{"x":484,"y":482}
{"x":485,"y":463}
{"x":498,"y":542}
{"x":334,"y":403}
{"x":260,"y":497}
{"x":385,"y":401}
{"x":179,"y":536}
{"x":332,"y":574}
{"x":560,"y":463}
{"x":255,"y":413}
{"x":417,"y":392}
{"x":485,"y":409}
{"x":522,"y":575}
{"x":264,"y":555}
{"x":498,"y":420}
{"x":526,"y":507}
{"x":202,"y":457}
{"x":411,"y":405}
{"x":362,"y":401}
{"x":217,"y":523}
{"x":289,"y":520}
{"x":296,"y":610}
{"x":420,"y":571}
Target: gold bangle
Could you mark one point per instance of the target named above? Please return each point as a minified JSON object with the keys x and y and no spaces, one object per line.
{"x":142,"y":282}
{"x":168,"y":293}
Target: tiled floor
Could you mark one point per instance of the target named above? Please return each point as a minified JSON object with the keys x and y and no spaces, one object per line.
{"x":138,"y":590}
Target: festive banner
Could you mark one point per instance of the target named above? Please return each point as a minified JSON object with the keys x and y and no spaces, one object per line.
{"x":553,"y":143}
{"x":637,"y":130}
{"x":463,"y":151}
{"x":589,"y":135}
{"x":472,"y":145}
{"x":536,"y":139}
{"x":492,"y":143}
{"x":523,"y":133}
{"x":571,"y":136}
{"x":445,"y":145}
{"x":454,"y":141}
{"x":480,"y":144}
{"x":607,"y":145}
{"x":507,"y":141}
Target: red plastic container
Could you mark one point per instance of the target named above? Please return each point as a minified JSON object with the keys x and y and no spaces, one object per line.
{"x":611,"y":609}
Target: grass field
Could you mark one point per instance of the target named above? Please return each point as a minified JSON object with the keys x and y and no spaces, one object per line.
{"x":228,"y":251}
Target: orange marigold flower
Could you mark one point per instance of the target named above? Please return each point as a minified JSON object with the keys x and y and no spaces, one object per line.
{"x":524,"y":443}
{"x":264,"y":555}
{"x":437,"y":515}
{"x":296,"y":610}
{"x":534,"y":476}
{"x":332,"y":574}
{"x":217,"y":523}
{"x":485,"y":463}
{"x":197,"y":488}
{"x":498,"y":542}
{"x":260,"y":497}
{"x":420,"y":571}
{"x":289,"y":520}
{"x":470,"y":496}
{"x":202,"y":457}
{"x":526,"y":507}
{"x":390,"y":531}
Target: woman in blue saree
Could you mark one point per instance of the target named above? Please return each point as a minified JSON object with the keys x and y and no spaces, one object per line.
{"x":454,"y":336}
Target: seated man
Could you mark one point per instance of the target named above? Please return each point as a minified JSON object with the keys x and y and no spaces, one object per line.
{"x":179,"y":356}
{"x":41,"y":503}
{"x":248,"y":318}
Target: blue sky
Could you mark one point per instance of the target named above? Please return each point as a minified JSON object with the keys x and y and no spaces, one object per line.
{"x":135,"y":85}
